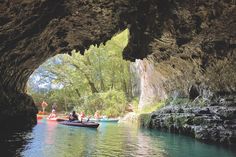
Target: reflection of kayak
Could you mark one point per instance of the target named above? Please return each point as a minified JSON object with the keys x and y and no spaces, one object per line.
{"x":108,"y":120}
{"x":79,"y":124}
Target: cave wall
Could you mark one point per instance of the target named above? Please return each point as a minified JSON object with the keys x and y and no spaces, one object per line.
{"x":190,"y":48}
{"x":32,"y":31}
{"x":151,"y":83}
{"x":185,"y":42}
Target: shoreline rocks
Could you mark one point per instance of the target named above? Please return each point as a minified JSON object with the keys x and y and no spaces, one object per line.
{"x":215,"y":124}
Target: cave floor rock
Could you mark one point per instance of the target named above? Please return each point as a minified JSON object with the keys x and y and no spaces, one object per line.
{"x":216,"y":124}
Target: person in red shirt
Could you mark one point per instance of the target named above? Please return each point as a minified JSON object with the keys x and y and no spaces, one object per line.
{"x":53,"y":114}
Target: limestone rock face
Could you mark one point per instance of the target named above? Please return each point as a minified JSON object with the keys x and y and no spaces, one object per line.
{"x":186,"y":43}
{"x":191,"y":50}
{"x":151,"y":83}
{"x":210,"y":124}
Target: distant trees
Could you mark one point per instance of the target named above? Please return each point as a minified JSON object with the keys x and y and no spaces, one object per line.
{"x":98,"y":80}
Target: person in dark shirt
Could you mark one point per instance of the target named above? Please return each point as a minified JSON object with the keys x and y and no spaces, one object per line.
{"x":73,"y":116}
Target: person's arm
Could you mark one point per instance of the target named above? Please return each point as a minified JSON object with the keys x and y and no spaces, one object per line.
{"x":70,"y":116}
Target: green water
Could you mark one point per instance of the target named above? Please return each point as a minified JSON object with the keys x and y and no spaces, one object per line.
{"x":49,"y":139}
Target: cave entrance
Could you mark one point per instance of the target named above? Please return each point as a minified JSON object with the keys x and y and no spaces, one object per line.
{"x":99,"y":80}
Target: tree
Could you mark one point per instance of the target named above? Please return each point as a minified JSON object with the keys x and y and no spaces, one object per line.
{"x":88,"y":82}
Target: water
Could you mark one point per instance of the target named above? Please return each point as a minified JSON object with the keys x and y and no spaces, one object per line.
{"x":49,"y":139}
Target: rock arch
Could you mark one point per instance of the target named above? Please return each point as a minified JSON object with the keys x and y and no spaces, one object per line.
{"x":198,"y":34}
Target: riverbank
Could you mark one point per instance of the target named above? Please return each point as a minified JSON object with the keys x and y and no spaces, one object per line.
{"x":213,"y":123}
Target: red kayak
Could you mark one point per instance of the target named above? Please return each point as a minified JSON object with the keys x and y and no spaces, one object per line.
{"x":80,"y":124}
{"x":39,"y":117}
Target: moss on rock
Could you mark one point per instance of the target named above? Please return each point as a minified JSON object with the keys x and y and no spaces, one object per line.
{"x":198,"y":120}
{"x":144,"y":120}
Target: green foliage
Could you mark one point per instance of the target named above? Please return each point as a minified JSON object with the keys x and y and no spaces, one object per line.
{"x":114,"y":102}
{"x":169,"y":121}
{"x":152,"y":107}
{"x":135,"y":102}
{"x":180,"y":120}
{"x":98,"y":80}
{"x":177,"y":101}
{"x":199,"y":101}
{"x":144,"y":119}
{"x":198,"y":120}
{"x":111,"y":103}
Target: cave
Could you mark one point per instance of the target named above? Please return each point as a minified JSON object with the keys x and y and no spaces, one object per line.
{"x":164,"y":32}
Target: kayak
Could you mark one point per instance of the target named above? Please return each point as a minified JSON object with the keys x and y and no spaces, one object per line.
{"x":108,"y":120}
{"x":52,"y":119}
{"x":80,"y":124}
{"x":56,"y":119}
{"x":91,"y":120}
{"x":61,"y":119}
{"x":102,"y":120}
{"x":39,"y":117}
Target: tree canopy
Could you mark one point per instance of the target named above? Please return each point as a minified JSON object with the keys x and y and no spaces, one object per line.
{"x":97,"y":80}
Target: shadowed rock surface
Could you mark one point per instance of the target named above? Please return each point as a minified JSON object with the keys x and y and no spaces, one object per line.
{"x":216,"y":123}
{"x":190,"y":46}
{"x":193,"y":52}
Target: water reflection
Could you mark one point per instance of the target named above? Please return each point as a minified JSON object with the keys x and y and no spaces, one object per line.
{"x":147,"y":147}
{"x":49,"y":139}
{"x":50,"y":132}
{"x":12,"y":143}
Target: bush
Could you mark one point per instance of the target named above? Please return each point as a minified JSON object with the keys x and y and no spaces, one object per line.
{"x":144,"y":120}
{"x":152,"y":107}
{"x":111,"y":103}
{"x":177,"y":101}
{"x":135,"y":103}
